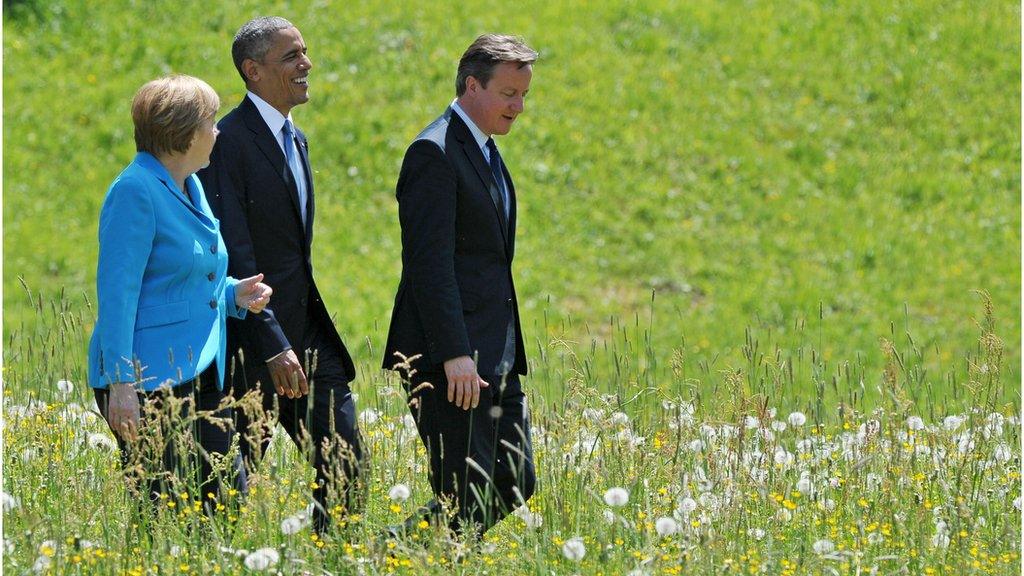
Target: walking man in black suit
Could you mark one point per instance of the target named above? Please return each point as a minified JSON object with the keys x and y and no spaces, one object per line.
{"x":456,"y":303}
{"x":260,"y":186}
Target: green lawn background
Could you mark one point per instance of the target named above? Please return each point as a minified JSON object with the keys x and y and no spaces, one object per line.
{"x":825,"y":173}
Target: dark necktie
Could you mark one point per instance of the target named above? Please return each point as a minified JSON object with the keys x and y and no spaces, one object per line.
{"x":499,"y":177}
{"x":291,"y":154}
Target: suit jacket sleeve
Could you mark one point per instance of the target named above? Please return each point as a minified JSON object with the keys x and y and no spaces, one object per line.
{"x":225,"y":189}
{"x":126,"y":231}
{"x":426,"y":211}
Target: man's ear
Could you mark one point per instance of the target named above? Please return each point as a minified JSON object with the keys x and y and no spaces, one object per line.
{"x":251,"y":69}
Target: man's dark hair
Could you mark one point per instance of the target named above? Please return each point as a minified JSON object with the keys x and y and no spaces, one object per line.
{"x":485,"y":53}
{"x":254,"y":39}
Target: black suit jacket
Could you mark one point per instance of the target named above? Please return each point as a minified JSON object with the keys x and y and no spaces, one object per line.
{"x":251,"y":190}
{"x":456,"y":296}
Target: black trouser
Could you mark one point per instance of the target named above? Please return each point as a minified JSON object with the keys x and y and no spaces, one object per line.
{"x":176,"y":449}
{"x":495,"y":435}
{"x":327,"y":413}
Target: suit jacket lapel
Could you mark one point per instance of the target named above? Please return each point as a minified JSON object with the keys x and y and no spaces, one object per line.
{"x":512,"y":213}
{"x":267,"y":144}
{"x":476,"y":158}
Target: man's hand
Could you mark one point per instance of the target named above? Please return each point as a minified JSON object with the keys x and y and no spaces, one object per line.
{"x":289,"y":378}
{"x":123,"y":411}
{"x":464,"y":383}
{"x":252,"y":294}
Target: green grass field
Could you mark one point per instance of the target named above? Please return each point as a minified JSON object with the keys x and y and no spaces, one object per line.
{"x":748,"y":208}
{"x":751,"y":163}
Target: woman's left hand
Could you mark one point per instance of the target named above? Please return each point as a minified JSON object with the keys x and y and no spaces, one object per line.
{"x":252,"y":294}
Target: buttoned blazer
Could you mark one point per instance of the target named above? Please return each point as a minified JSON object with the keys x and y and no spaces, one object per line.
{"x":161,"y":285}
{"x":456,"y":295}
{"x":251,"y":189}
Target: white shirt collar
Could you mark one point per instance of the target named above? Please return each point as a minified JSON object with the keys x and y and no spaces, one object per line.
{"x":479,"y":136}
{"x":272,"y":116}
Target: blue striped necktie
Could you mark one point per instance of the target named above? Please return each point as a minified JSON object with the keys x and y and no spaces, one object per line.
{"x":291,"y":153}
{"x":499,"y":177}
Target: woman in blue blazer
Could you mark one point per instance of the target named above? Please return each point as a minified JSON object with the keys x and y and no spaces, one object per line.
{"x":163,"y":293}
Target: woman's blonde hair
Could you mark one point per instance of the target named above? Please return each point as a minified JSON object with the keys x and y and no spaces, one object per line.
{"x":168,"y":111}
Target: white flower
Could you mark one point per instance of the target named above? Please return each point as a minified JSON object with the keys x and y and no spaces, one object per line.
{"x":291,"y":525}
{"x":766,"y":434}
{"x":366,"y":417}
{"x":175,"y":551}
{"x":687,"y":505}
{"x":751,"y":422}
{"x":101,"y":441}
{"x":65,"y":386}
{"x":399,"y":493}
{"x":29,"y":454}
{"x":873,"y":481}
{"x":8,"y":546}
{"x":593,"y":415}
{"x":915,"y":423}
{"x":262,"y":559}
{"x":940,"y":540}
{"x":42,"y":564}
{"x":875,"y":538}
{"x":951,"y":423}
{"x":573,"y":549}
{"x":609,"y":516}
{"x":756,"y":533}
{"x":797,"y":419}
{"x":728,"y":431}
{"x":409,"y":423}
{"x":1002,"y":453}
{"x":829,"y":504}
{"x":783,"y":515}
{"x":804,"y":485}
{"x":665,"y":526}
{"x":695,"y":445}
{"x":531,"y":519}
{"x":824,"y":546}
{"x":1017,"y":503}
{"x":616,"y":497}
{"x":620,"y":419}
{"x":668,"y":405}
{"x":783,"y":457}
{"x":10,"y":502}
{"x":778,"y":425}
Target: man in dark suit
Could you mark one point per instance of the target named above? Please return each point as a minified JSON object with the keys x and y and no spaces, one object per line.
{"x":456,"y":303}
{"x":260,"y":186}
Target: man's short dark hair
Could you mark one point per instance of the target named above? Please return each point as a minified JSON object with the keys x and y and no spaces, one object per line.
{"x":485,"y":53}
{"x":254,"y":39}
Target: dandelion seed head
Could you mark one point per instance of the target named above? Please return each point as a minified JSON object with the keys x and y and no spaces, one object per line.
{"x":616,"y":496}
{"x":262,"y":559}
{"x":65,"y":387}
{"x":291,"y":525}
{"x":778,"y":426}
{"x":99,"y":441}
{"x":620,"y":419}
{"x":608,"y":516}
{"x":875,"y":538}
{"x":399,"y":493}
{"x":665,"y":526}
{"x":573,"y":549}
{"x":952,"y":422}
{"x":366,"y":417}
{"x":797,"y":419}
{"x":9,"y":502}
{"x":687,"y":505}
{"x":756,"y":533}
{"x":751,"y":422}
{"x":593,"y":415}
{"x":823,"y":546}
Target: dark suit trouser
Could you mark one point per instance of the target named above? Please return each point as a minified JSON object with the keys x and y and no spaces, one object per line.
{"x":321,"y":424}
{"x":165,"y":462}
{"x":495,"y":435}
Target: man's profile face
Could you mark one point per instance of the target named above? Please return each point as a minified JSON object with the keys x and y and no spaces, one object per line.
{"x":495,"y":107}
{"x":281,"y":78}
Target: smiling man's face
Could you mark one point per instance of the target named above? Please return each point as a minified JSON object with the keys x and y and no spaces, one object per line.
{"x":495,"y":107}
{"x":281,"y":78}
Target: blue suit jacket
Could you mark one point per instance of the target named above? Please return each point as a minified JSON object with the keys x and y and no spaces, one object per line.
{"x":161,"y":282}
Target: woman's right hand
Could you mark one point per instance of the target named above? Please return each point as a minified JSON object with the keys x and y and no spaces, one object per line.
{"x":123,"y":411}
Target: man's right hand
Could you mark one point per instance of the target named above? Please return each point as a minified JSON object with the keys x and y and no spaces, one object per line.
{"x":287,"y":374}
{"x":464,"y":383}
{"x":123,"y":411}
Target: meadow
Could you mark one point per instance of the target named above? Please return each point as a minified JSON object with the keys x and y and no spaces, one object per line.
{"x":768,"y":260}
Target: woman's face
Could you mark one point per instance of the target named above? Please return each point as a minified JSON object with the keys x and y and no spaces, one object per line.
{"x":202,"y":143}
